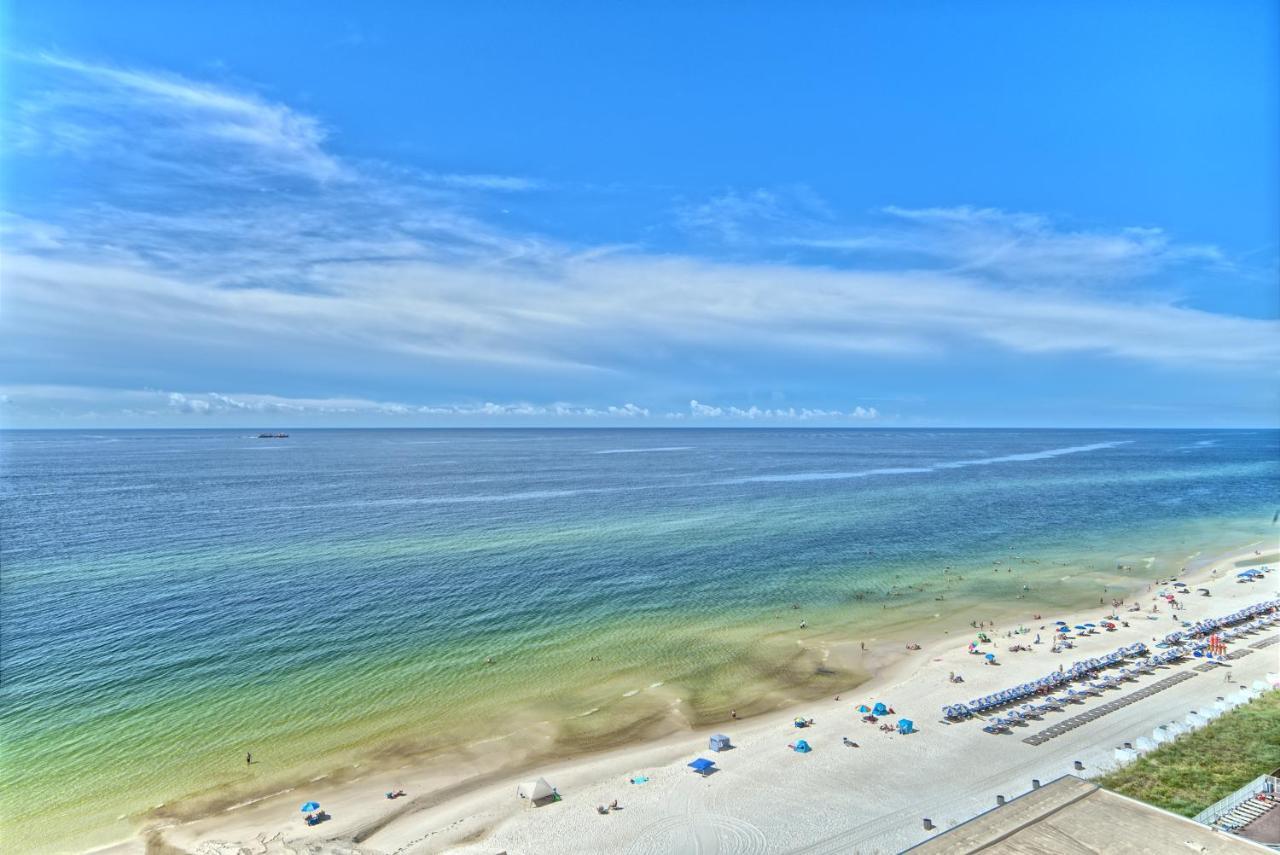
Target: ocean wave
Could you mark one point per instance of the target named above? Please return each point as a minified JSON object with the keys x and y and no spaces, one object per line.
{"x":644,"y":450}
{"x":919,"y":470}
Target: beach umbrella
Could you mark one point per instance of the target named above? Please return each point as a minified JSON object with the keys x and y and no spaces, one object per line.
{"x":864,"y":708}
{"x":1089,"y":625}
{"x":991,"y":657}
{"x":311,"y":807}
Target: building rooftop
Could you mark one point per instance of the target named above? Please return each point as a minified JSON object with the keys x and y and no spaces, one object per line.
{"x":1071,"y":816}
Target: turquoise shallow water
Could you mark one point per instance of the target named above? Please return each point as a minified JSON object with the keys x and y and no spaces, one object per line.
{"x":172,"y":599}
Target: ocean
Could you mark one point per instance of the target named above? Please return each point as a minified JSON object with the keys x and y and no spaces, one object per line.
{"x":170,"y":600}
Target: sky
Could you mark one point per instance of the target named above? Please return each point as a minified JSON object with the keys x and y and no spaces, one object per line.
{"x":653,"y":215}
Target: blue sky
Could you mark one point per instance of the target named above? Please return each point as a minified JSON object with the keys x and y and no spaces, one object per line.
{"x":901,"y":214}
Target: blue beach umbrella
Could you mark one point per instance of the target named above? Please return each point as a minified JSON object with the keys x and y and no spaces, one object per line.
{"x":311,"y":807}
{"x":991,"y":657}
{"x":1090,"y":625}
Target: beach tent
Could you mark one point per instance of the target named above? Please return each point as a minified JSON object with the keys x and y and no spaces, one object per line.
{"x":906,"y":725}
{"x":535,"y":790}
{"x":864,"y":708}
{"x":803,"y":747}
{"x":719,"y":742}
{"x":702,"y":766}
{"x":880,"y":709}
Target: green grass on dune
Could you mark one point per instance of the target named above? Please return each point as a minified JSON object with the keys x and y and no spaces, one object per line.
{"x":1195,"y":770}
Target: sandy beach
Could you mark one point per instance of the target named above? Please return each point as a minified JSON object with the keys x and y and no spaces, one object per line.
{"x":765,"y":797}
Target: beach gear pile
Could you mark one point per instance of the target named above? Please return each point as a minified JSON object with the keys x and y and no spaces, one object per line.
{"x":1239,"y":622}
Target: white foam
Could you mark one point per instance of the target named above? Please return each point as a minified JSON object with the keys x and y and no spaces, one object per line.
{"x":915,"y":470}
{"x":644,"y":450}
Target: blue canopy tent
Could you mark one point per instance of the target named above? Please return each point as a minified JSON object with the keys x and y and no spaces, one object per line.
{"x":702,"y":765}
{"x":905,"y":726}
{"x":864,"y":708}
{"x":719,"y":742}
{"x":880,"y":709}
{"x":803,"y":747}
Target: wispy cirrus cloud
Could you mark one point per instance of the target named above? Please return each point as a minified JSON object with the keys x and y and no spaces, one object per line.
{"x":1024,"y":247}
{"x":84,"y":107}
{"x":342,"y":272}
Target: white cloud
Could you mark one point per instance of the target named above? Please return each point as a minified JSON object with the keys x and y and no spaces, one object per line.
{"x":157,"y":404}
{"x":737,"y":216}
{"x":501,"y":183}
{"x":1020,"y":247}
{"x":699,"y":410}
{"x":91,"y":104}
{"x":327,"y":269}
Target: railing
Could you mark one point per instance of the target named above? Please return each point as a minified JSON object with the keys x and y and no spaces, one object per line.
{"x":1222,"y":807}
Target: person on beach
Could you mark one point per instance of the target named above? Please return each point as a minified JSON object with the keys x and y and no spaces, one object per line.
{"x":733,"y":714}
{"x":248,"y":759}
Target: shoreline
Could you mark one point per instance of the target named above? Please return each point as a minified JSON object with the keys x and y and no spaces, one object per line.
{"x":436,"y":794}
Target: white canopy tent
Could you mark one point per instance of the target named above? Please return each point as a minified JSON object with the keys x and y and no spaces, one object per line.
{"x":535,"y":790}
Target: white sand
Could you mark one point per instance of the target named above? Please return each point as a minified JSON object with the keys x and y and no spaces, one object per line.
{"x":766,"y":798}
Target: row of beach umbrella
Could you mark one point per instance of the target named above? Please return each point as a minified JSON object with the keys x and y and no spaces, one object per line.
{"x":1081,"y":670}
